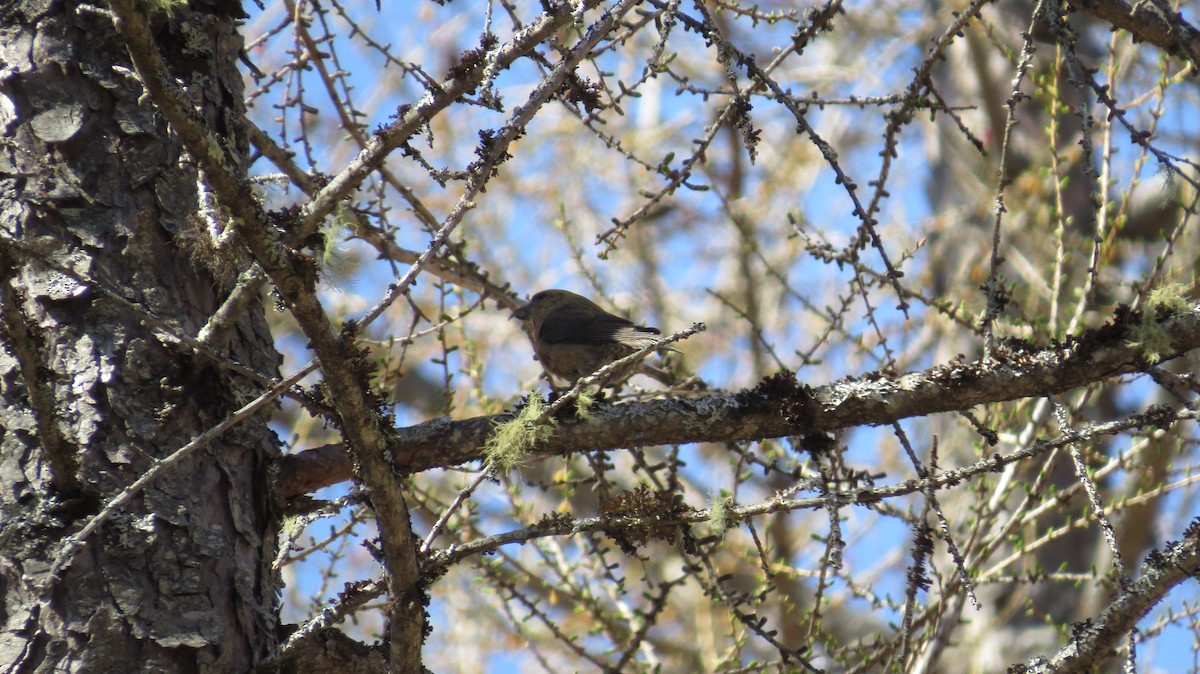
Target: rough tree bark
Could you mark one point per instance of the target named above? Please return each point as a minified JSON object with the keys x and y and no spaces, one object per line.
{"x":98,"y":211}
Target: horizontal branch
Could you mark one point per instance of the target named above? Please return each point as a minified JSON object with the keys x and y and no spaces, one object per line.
{"x":664,"y":518}
{"x":779,"y":406}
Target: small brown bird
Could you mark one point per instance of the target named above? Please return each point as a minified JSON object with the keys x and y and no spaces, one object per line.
{"x":573,"y":337}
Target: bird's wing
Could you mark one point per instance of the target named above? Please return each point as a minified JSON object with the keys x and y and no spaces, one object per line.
{"x":567,"y":325}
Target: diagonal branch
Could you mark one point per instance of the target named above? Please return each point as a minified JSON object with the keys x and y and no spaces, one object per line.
{"x":414,"y":118}
{"x":1094,"y":641}
{"x":1152,"y":22}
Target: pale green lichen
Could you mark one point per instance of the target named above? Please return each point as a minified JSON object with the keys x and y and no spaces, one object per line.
{"x":1148,"y":335}
{"x":291,"y":527}
{"x":510,"y":443}
{"x":720,"y":513}
{"x":584,"y":402}
{"x":166,"y":6}
{"x":336,"y":262}
{"x":1171,"y":297}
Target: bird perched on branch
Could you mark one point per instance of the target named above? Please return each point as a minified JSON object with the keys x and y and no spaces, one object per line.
{"x":573,"y":337}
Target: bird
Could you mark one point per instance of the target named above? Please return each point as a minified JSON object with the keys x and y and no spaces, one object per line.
{"x":573,"y":337}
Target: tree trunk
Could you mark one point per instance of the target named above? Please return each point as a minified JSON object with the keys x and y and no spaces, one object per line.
{"x":102,"y":263}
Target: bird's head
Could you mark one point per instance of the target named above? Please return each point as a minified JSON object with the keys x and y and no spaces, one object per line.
{"x":546,"y":301}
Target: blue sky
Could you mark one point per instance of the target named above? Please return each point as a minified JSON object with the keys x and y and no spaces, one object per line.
{"x":414,"y":27}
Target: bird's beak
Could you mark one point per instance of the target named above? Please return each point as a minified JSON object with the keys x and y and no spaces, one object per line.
{"x":522,"y":314}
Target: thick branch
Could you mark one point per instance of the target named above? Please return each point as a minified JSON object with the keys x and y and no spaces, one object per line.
{"x":1146,"y":22}
{"x":778,"y":407}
